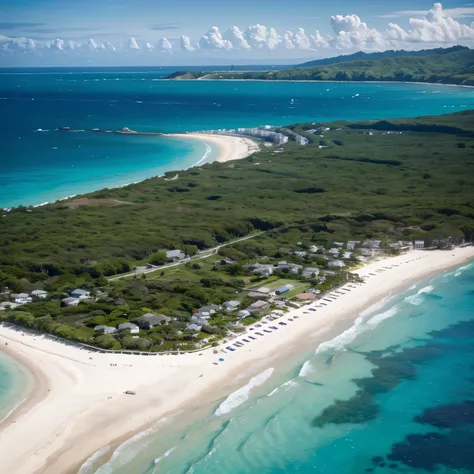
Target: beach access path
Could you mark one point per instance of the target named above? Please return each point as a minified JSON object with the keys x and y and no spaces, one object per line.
{"x":79,"y":406}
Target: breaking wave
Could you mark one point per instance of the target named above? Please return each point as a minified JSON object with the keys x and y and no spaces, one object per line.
{"x":378,"y":318}
{"x":306,"y":370}
{"x":241,"y":395}
{"x":88,"y":466}
{"x":417,"y":299}
{"x":163,"y":456}
{"x":287,"y":385}
{"x":341,"y":341}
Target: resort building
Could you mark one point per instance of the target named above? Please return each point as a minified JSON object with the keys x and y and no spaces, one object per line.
{"x":311,"y":272}
{"x":336,"y":264}
{"x":174,"y":254}
{"x":419,"y":244}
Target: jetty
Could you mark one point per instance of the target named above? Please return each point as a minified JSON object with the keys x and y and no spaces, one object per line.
{"x":123,"y":131}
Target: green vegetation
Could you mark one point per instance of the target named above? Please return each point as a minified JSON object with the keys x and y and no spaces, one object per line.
{"x":452,"y":66}
{"x":386,"y":180}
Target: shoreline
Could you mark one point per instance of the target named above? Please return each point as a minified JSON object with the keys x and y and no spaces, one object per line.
{"x":85,"y":390}
{"x":229,"y":148}
{"x":316,"y":81}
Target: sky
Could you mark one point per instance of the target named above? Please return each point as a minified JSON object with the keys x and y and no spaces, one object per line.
{"x":161,"y":32}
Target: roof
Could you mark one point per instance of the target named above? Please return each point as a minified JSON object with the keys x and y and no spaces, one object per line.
{"x":193,"y":327}
{"x":173,"y":253}
{"x":232,"y":304}
{"x":70,"y":300}
{"x":258,"y":305}
{"x":81,"y":291}
{"x":243,"y":313}
{"x":104,"y":328}
{"x":153,"y":319}
{"x":127,"y":326}
{"x":39,"y":292}
{"x":263,"y":289}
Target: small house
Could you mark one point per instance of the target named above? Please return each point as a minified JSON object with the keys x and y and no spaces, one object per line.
{"x":231,"y":305}
{"x":80,"y":294}
{"x":244,"y":314}
{"x":311,"y":272}
{"x":419,"y":244}
{"x":39,"y":293}
{"x":336,"y":264}
{"x":198,"y":320}
{"x":134,"y":329}
{"x":151,"y":320}
{"x":193,"y":327}
{"x":105,"y":329}
{"x":70,"y":301}
{"x":174,"y":255}
{"x":258,"y":306}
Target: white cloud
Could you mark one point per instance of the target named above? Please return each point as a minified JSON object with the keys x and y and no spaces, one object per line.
{"x":257,"y":36}
{"x":301,"y":40}
{"x":164,"y":45}
{"x":461,"y":12}
{"x":438,"y":27}
{"x":213,"y":40}
{"x":352,"y":33}
{"x":186,"y":44}
{"x":273,"y":39}
{"x":236,"y":38}
{"x":288,"y":40}
{"x":425,"y":29}
{"x":132,"y":44}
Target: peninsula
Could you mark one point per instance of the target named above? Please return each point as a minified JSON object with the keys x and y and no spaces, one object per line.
{"x":441,"y":66}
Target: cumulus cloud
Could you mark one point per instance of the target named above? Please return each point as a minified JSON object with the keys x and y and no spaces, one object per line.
{"x":164,"y":45}
{"x":236,"y":38}
{"x":186,"y":45}
{"x":350,"y":33}
{"x":213,"y":39}
{"x":438,"y":27}
{"x":353,"y":33}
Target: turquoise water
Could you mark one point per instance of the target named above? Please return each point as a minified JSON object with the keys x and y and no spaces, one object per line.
{"x":15,"y":384}
{"x":40,"y":166}
{"x":393,"y":393}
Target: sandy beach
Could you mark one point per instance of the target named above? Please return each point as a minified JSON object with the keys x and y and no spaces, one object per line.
{"x":230,"y":147}
{"x":78,"y":404}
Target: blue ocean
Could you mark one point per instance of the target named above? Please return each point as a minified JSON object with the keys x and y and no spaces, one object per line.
{"x":39,"y":164}
{"x":394,"y":392}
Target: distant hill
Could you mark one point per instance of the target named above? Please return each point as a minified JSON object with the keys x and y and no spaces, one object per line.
{"x":361,"y":56}
{"x":442,"y":66}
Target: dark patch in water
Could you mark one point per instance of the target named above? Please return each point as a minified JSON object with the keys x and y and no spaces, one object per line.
{"x":389,"y":372}
{"x":427,"y":451}
{"x":391,"y":368}
{"x":448,"y":416}
{"x":316,"y":384}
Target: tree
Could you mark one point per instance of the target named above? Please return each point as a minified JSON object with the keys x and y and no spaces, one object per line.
{"x":106,"y":341}
{"x":158,"y":258}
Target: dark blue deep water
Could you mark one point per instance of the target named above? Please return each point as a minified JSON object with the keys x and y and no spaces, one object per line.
{"x":38,"y":166}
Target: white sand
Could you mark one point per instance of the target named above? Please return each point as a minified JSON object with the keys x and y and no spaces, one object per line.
{"x":230,"y":147}
{"x":78,"y":405}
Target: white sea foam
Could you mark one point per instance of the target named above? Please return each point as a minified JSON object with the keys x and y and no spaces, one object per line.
{"x":205,"y":156}
{"x":124,"y":453}
{"x":306,"y":370}
{"x":378,"y":318}
{"x":341,"y":341}
{"x":417,"y":299}
{"x":241,"y":395}
{"x":164,"y":455}
{"x":41,"y":130}
{"x":374,"y":308}
{"x":88,"y":466}
{"x":287,"y":385}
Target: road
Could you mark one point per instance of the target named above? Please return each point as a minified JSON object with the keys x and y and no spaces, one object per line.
{"x":204,"y":254}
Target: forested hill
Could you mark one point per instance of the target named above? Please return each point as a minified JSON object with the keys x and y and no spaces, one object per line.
{"x":455,"y":67}
{"x":395,"y":179}
{"x":361,"y":56}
